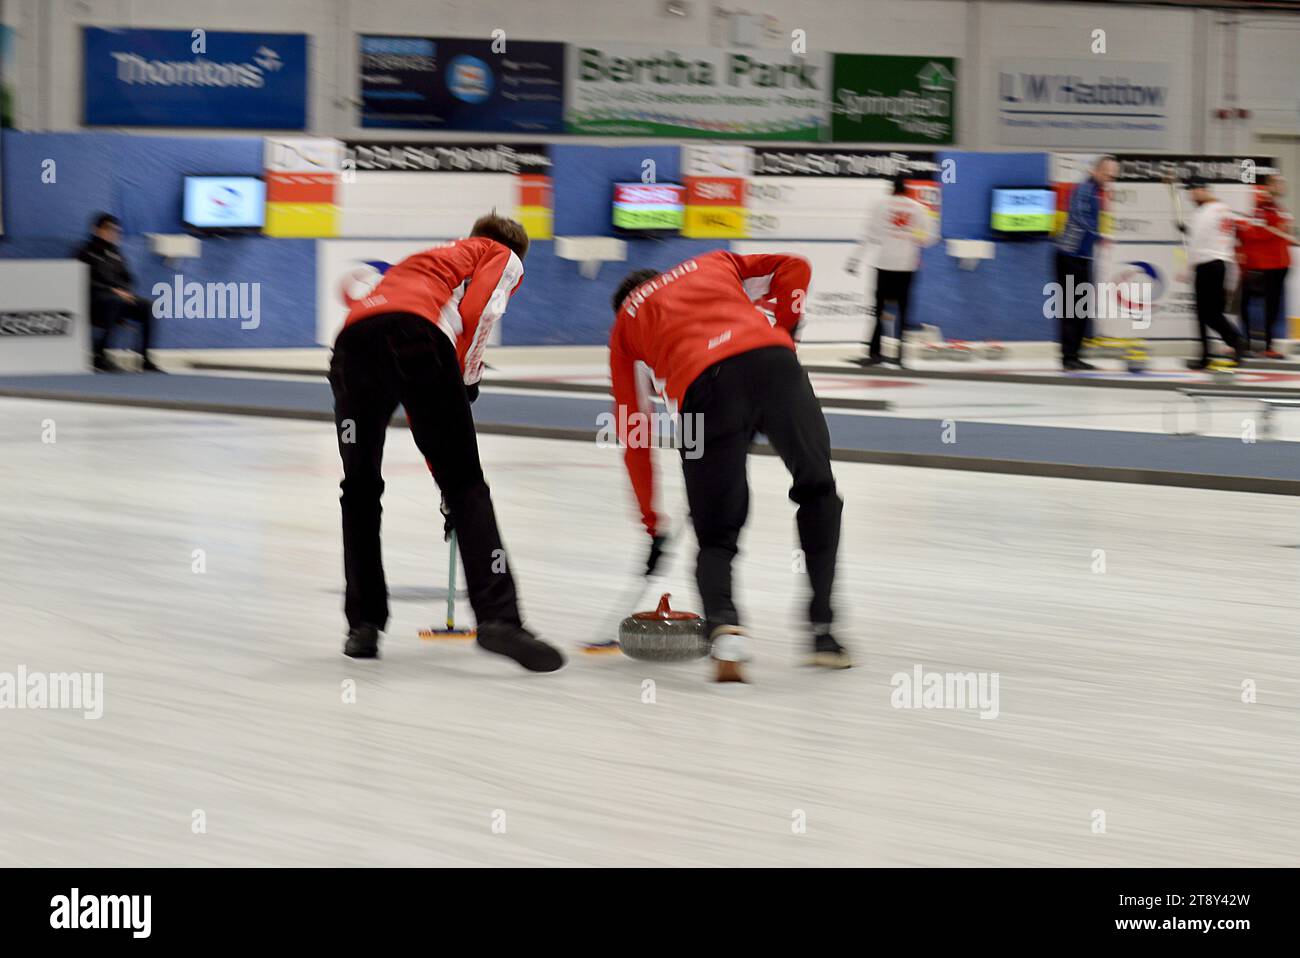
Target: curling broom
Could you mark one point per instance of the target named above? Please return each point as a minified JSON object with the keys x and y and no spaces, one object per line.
{"x":450,"y":632}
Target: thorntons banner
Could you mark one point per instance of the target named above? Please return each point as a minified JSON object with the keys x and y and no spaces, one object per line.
{"x":195,"y":78}
{"x":627,"y":89}
{"x":885,"y":99}
{"x":439,"y":83}
{"x":1095,"y":104}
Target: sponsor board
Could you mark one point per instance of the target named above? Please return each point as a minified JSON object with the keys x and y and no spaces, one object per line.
{"x":446,"y":83}
{"x":418,"y":189}
{"x":716,"y":160}
{"x":1097,"y":103}
{"x":888,"y":99}
{"x":636,"y":89}
{"x":36,"y":322}
{"x":158,"y":78}
{"x":302,"y":177}
{"x":1161,"y":271}
{"x":796,"y":193}
{"x":44,"y":324}
{"x":1139,"y":205}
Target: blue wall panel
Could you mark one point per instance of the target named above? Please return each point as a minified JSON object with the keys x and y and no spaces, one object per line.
{"x":583,"y":179}
{"x":139,"y":179}
{"x":555,"y":305}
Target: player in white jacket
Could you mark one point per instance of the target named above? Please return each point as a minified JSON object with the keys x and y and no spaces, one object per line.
{"x":901,"y":227}
{"x":1211,"y":249}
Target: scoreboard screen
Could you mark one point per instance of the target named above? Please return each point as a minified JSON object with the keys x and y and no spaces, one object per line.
{"x":1023,"y":210}
{"x":649,"y":207}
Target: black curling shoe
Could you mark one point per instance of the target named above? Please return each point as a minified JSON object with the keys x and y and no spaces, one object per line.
{"x":362,"y":643}
{"x":516,"y":642}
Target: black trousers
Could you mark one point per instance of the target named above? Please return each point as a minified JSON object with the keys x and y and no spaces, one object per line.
{"x":891,"y":286}
{"x":1210,"y":300}
{"x":765,"y":391}
{"x":108,"y":310}
{"x":1072,"y":273}
{"x":1267,"y":284}
{"x":379,"y":363}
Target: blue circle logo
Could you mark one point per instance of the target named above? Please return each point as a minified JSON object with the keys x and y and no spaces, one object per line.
{"x":469,"y":79}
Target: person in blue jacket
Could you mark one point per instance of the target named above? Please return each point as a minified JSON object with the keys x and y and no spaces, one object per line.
{"x":1076,"y":249}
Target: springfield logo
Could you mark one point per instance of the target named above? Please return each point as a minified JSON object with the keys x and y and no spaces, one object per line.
{"x":134,"y":69}
{"x":35,"y":322}
{"x":908,"y":109}
{"x":76,"y":911}
{"x":73,"y":691}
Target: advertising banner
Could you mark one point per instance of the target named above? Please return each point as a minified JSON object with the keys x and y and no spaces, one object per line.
{"x":1140,"y":205}
{"x":420,"y":189}
{"x":446,"y":83}
{"x":630,"y":89}
{"x":302,"y":178}
{"x":1158,"y":269}
{"x":1095,"y":103}
{"x":44,"y":323}
{"x":195,"y":78}
{"x":813,"y":193}
{"x":888,"y":99}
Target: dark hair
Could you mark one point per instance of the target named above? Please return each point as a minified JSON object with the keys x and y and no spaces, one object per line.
{"x":509,"y":233}
{"x":900,"y":183}
{"x":630,"y":282}
{"x":105,"y":219}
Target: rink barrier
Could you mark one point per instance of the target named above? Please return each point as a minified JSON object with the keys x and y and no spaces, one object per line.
{"x":1136,"y":381}
{"x":310,"y":402}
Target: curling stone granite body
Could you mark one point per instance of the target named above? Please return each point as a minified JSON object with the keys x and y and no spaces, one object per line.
{"x":663,"y":635}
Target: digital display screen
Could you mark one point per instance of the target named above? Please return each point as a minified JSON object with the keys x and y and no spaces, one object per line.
{"x":649,"y":206}
{"x":224,"y":202}
{"x":1030,"y":209}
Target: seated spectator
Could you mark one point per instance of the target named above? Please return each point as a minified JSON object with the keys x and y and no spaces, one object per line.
{"x":112,"y":301}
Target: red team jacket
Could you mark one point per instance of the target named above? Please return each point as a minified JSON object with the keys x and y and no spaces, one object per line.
{"x":1262,"y":248}
{"x":462,"y":287}
{"x":684,"y":321}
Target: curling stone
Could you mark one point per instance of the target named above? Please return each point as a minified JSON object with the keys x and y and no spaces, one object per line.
{"x":1136,"y":360}
{"x":959,"y":350}
{"x":992,"y":350}
{"x":663,"y":635}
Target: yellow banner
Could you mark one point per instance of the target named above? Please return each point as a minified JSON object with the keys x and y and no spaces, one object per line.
{"x":537,"y":221}
{"x":302,"y":220}
{"x":715,"y":222}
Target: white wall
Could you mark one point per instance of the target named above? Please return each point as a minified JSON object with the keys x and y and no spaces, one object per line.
{"x":1266,"y":72}
{"x":979,"y":34}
